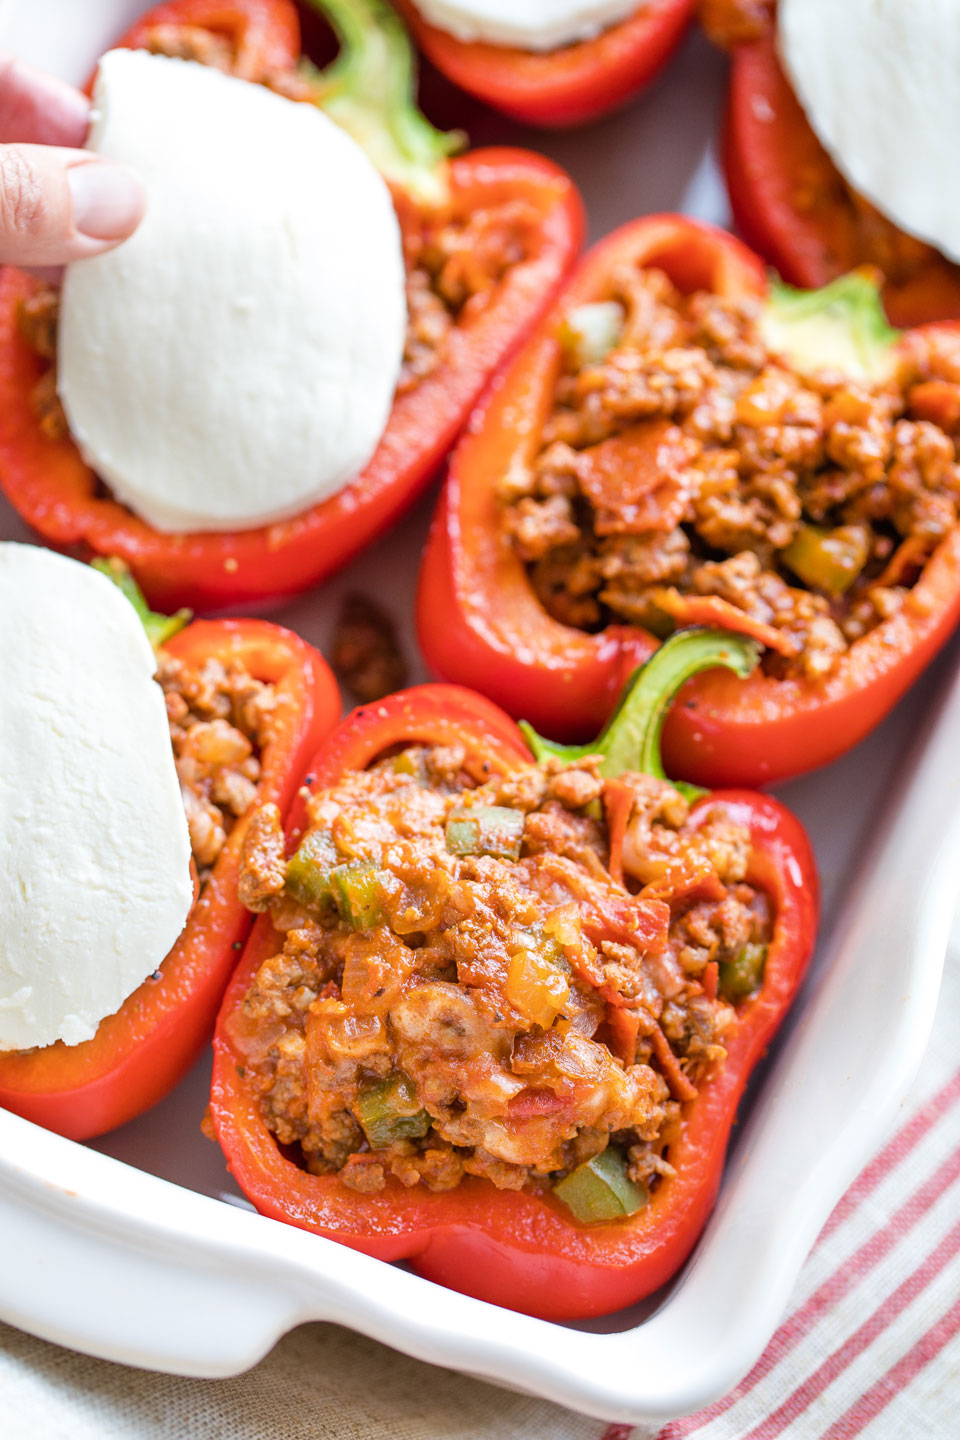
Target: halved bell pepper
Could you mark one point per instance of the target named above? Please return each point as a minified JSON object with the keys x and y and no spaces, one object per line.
{"x":562,"y":87}
{"x":139,"y":1053}
{"x":525,"y":1250}
{"x":264,"y":34}
{"x":480,"y":621}
{"x":791,"y":204}
{"x":368,"y":89}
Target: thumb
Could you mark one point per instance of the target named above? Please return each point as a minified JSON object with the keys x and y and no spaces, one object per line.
{"x":58,"y":205}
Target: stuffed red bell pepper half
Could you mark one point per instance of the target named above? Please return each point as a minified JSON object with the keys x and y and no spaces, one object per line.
{"x":241,"y":396}
{"x":683,"y":444}
{"x":505,"y":996}
{"x":137,"y":750}
{"x":842,"y":132}
{"x":549,"y":62}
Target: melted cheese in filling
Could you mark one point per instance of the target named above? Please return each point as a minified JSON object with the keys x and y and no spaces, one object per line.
{"x":878,"y":82}
{"x":95,"y":880}
{"x":235,"y":361}
{"x":527,"y":24}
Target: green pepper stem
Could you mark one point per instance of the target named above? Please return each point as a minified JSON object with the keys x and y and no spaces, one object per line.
{"x":369,"y":90}
{"x":159,"y":628}
{"x":631,"y":737}
{"x":842,"y":326}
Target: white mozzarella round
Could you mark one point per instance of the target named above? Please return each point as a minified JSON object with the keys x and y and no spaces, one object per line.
{"x":95,"y":880}
{"x":527,"y":24}
{"x":878,"y":82}
{"x":235,"y":360}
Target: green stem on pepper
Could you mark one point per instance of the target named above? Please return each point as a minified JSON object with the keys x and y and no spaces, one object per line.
{"x":369,"y":91}
{"x":159,"y":628}
{"x":631,"y":738}
{"x":842,"y":326}
{"x":601,"y":1189}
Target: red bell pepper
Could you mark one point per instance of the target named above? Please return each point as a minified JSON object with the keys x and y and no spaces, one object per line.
{"x":480,"y":621}
{"x":264,"y":34}
{"x":790,"y":203}
{"x":53,"y":489}
{"x":516,"y":1248}
{"x":139,"y":1053}
{"x":561,"y":87}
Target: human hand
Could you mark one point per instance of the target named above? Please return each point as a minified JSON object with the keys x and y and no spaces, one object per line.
{"x":57,"y":202}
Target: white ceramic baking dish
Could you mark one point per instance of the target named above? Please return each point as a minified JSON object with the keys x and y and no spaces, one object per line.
{"x":109,"y":1259}
{"x":131,"y":1249}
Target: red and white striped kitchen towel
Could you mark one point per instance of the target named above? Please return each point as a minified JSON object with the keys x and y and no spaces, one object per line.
{"x":869,"y":1347}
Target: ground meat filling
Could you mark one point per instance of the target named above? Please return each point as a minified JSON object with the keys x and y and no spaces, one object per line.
{"x":365,"y":653}
{"x":689,"y":462}
{"x":464,"y":989}
{"x":37,"y":321}
{"x":220,"y":719}
{"x":455,"y":264}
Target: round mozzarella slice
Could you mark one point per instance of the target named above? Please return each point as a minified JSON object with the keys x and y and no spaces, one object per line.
{"x":878,"y":82}
{"x":95,"y":880}
{"x":234,"y":361}
{"x":528,"y":24}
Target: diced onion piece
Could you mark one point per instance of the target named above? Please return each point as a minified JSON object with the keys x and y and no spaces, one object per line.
{"x":536,"y":987}
{"x":590,"y":332}
{"x":409,"y":762}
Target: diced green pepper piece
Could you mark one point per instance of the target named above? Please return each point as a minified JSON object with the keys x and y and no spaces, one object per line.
{"x":828,"y":560}
{"x":486,"y":830}
{"x":308,"y":870}
{"x":356,"y":892}
{"x":388,"y":1111}
{"x":589,"y":332}
{"x":601,"y":1189}
{"x":740,"y":978}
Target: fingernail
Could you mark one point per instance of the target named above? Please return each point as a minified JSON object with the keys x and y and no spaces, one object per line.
{"x":107,"y":199}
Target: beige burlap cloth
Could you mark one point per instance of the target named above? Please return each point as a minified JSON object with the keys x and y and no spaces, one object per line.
{"x":870,"y":1344}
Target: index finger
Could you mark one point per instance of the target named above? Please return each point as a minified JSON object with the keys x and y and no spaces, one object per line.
{"x":39,"y":110}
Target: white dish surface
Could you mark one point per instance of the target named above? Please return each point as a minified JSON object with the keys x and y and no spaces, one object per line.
{"x":126,"y":1249}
